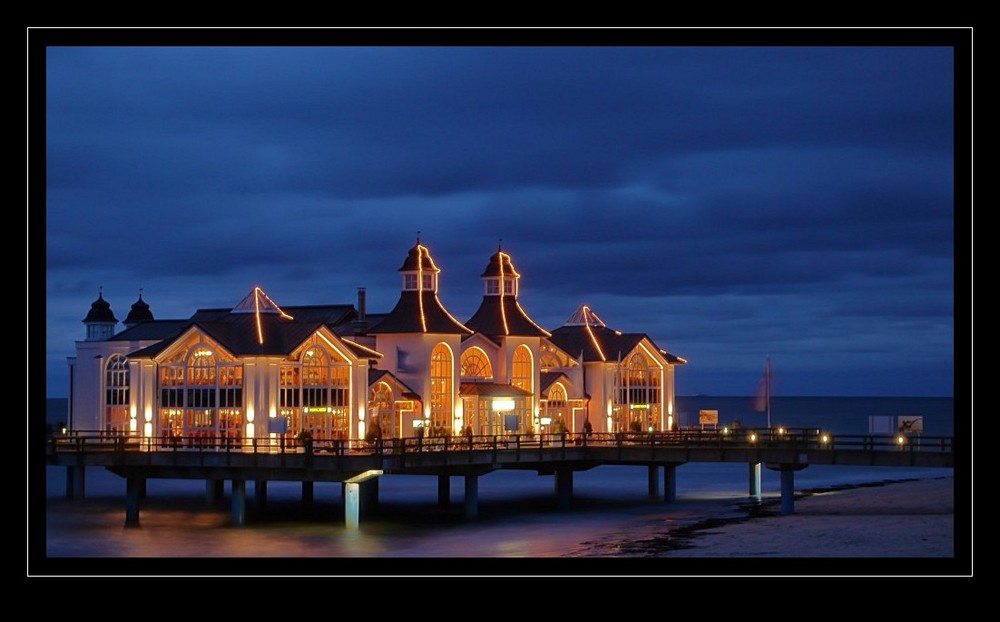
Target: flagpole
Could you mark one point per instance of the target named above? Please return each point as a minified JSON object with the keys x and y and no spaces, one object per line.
{"x":767,"y":389}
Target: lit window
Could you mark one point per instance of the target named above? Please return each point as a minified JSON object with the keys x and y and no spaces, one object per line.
{"x":492,"y":287}
{"x":475,"y":364}
{"x":428,"y":281}
{"x":441,"y":389}
{"x":508,"y":287}
{"x":116,"y":399}
{"x":409,"y":281}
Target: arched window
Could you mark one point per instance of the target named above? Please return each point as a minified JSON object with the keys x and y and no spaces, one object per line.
{"x":314,"y":393}
{"x":116,"y":397}
{"x":381,"y":409}
{"x":475,"y":364}
{"x":639,"y":393}
{"x":521,"y":375}
{"x":441,"y":389}
{"x":549,"y":362}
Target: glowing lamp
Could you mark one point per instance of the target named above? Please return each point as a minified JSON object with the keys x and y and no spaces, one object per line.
{"x":725,"y":430}
{"x":546,"y":420}
{"x":900,"y":439}
{"x":752,"y":437}
{"x":503,"y":404}
{"x":825,"y":439}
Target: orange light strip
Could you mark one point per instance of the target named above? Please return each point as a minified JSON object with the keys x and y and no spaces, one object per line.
{"x":420,"y":284}
{"x":453,"y":318}
{"x":586,"y":323}
{"x":651,"y":355}
{"x":275,"y":305}
{"x":256,"y":312}
{"x":334,"y":346}
{"x":361,"y":347}
{"x":503,"y":286}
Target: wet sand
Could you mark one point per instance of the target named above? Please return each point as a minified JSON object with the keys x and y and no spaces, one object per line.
{"x":896,"y":519}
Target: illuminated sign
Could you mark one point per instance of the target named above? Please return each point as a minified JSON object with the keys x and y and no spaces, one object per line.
{"x":503,"y":404}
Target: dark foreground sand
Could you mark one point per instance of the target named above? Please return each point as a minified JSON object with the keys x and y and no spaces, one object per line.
{"x":902,"y":519}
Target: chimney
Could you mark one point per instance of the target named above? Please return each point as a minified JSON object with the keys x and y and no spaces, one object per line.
{"x":360,"y":325}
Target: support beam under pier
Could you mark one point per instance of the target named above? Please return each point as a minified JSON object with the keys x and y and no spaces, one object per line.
{"x":75,"y":482}
{"x":214,"y":490}
{"x":359,"y":491}
{"x":669,"y":483}
{"x":471,"y":496}
{"x":307,"y":493}
{"x":239,"y":494}
{"x":754,"y":472}
{"x":444,"y":491}
{"x":654,"y":480}
{"x":564,"y":487}
{"x":133,"y":490}
{"x":260,"y":493}
{"x":788,"y":491}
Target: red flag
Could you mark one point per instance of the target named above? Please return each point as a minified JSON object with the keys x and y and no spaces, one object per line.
{"x":763,"y":396}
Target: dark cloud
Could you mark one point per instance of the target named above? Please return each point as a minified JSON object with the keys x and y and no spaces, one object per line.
{"x":728,"y":201}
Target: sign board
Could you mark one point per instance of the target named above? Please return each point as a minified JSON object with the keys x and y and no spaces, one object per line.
{"x":911,"y":423}
{"x":881,"y":424}
{"x":511,"y":423}
{"x":277,"y":425}
{"x":708,"y":417}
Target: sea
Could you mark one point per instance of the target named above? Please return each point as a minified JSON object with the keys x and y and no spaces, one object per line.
{"x":611,"y":515}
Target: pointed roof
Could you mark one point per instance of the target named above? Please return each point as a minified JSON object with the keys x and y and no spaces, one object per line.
{"x":139,"y":312}
{"x":500,"y":265}
{"x":419,"y":312}
{"x":502,"y":315}
{"x":419,"y":258}
{"x":584,"y":332}
{"x":100,"y":311}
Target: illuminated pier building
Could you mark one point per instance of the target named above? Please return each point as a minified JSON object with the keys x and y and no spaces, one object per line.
{"x":261,"y":371}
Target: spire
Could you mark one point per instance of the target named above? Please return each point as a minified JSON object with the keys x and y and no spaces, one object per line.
{"x":100,"y":320}
{"x":138,"y":313}
{"x":583,"y":316}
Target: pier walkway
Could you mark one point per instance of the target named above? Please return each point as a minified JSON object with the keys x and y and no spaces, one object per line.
{"x":358,"y":464}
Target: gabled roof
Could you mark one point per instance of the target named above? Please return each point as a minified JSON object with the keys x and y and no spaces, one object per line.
{"x":600,"y":343}
{"x":502,"y":315}
{"x":549,"y":377}
{"x":491,"y":389}
{"x":376,"y":375}
{"x":151,"y":329}
{"x":419,"y":312}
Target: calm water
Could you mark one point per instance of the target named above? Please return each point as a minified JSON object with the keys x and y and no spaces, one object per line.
{"x":611,"y":514}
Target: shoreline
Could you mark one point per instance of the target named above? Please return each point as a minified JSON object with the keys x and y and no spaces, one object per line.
{"x":911,"y":517}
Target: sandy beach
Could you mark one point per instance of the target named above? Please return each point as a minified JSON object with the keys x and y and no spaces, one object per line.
{"x":900,"y":519}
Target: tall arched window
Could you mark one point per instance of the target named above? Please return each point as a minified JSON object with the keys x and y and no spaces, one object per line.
{"x":116,"y":397}
{"x":201,"y":396}
{"x":640,"y":393}
{"x":521,"y":375}
{"x":555,"y":407}
{"x":441,"y":389}
{"x":314,"y":393}
{"x":381,"y":409}
{"x":475,"y":364}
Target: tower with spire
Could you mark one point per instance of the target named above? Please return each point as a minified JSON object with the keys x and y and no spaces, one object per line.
{"x":100,"y":321}
{"x":138,"y":313}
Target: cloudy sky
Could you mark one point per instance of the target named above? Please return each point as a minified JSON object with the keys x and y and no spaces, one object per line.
{"x":730,"y":202}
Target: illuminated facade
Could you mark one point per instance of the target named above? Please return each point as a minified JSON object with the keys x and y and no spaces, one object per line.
{"x":259,"y":371}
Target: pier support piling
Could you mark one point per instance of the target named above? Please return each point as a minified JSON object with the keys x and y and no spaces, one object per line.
{"x":75,"y":482}
{"x":654,"y":480}
{"x":260,"y":493}
{"x":564,"y":487}
{"x":239,"y":495}
{"x":214,"y":490}
{"x":133,"y":490}
{"x":307,"y":493}
{"x":444,"y":491}
{"x":788,"y":491}
{"x":471,"y":496}
{"x":754,"y":471}
{"x":352,"y":505}
{"x":669,"y":483}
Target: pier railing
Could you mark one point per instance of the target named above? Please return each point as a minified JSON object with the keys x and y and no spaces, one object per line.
{"x":83,"y":441}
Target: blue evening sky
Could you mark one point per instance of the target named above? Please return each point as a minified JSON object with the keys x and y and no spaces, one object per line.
{"x":730,"y":202}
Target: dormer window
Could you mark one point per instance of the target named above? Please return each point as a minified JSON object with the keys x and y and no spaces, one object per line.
{"x":428,"y":281}
{"x":508,"y":287}
{"x":409,"y":281}
{"x":492,"y":287}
